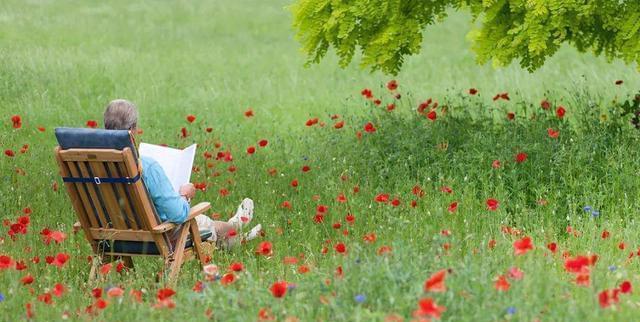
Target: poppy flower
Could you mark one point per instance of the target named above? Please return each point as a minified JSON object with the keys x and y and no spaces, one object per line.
{"x":92,"y":124}
{"x":367,"y":93}
{"x":446,"y":189}
{"x":605,"y":234}
{"x":552,"y":247}
{"x":492,"y":204}
{"x":306,"y":168}
{"x":286,"y":204}
{"x":427,"y":307}
{"x":392,"y":85}
{"x":511,"y":116}
{"x":545,"y":105}
{"x":432,"y":115}
{"x":96,"y":292}
{"x":552,"y":133}
{"x":577,"y":264}
{"x":17,"y":121}
{"x":502,"y":284}
{"x":165,"y":293}
{"x":435,"y":283}
{"x":369,"y":128}
{"x":279,"y":289}
{"x":453,"y":207}
{"x":264,"y":248}
{"x":106,"y":268}
{"x":58,"y":290}
{"x":227,"y":279}
{"x":377,"y":101}
{"x":625,"y":287}
{"x":191,"y":118}
{"x":391,"y":107}
{"x":521,"y":157}
{"x":505,"y":96}
{"x":27,"y":279}
{"x":473,"y":91}
{"x":341,"y":198}
{"x":382,"y":197}
{"x":339,"y":125}
{"x":515,"y":273}
{"x":251,"y":150}
{"x":350,"y":218}
{"x":496,"y":164}
{"x":60,"y":259}
{"x":183,"y":132}
{"x":41,"y":128}
{"x":312,"y":122}
{"x":560,"y":112}
{"x":209,"y":129}
{"x":522,"y":246}
{"x":248,"y":113}
{"x":340,"y":248}
{"x":262,"y":143}
{"x":303,"y":269}
{"x":9,"y":153}
{"x":607,"y":298}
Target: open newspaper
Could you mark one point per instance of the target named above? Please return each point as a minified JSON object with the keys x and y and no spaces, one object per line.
{"x":176,"y":163}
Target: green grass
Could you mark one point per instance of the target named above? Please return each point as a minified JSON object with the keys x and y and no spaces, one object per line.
{"x":62,"y":61}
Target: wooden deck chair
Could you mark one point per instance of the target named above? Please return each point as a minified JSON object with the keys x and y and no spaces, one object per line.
{"x":101,"y":174}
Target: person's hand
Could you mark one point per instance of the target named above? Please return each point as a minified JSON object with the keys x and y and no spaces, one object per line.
{"x":188,"y":191}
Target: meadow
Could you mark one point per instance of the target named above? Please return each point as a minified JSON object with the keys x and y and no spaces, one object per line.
{"x":496,"y":203}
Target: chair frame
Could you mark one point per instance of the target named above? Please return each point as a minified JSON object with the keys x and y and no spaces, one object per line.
{"x":123,"y":211}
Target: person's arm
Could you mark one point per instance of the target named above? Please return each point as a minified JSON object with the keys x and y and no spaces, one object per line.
{"x":169,"y":204}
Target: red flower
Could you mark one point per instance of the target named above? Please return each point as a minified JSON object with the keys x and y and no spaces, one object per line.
{"x":552,"y":247}
{"x":502,"y":284}
{"x":522,"y":246}
{"x":473,"y":91}
{"x":183,"y":132}
{"x":432,"y":115}
{"x":453,"y":207}
{"x":552,"y":133}
{"x":428,"y":308}
{"x":279,"y":289}
{"x":339,"y":125}
{"x":496,"y":164}
{"x":209,"y":129}
{"x":492,"y":204}
{"x":294,"y":183}
{"x":560,"y":112}
{"x":248,"y":113}
{"x":60,"y":260}
{"x":446,"y":189}
{"x":191,"y":118}
{"x":264,"y":248}
{"x":369,"y":128}
{"x":392,"y":85}
{"x":9,"y":153}
{"x":165,"y":293}
{"x":435,"y":283}
{"x":341,"y":198}
{"x":577,"y":264}
{"x":391,"y":107}
{"x":382,"y":197}
{"x":545,"y":104}
{"x":521,"y":157}
{"x":608,"y":297}
{"x":92,"y":124}
{"x":377,"y":101}
{"x":26,"y":280}
{"x":58,"y":290}
{"x":511,"y":116}
{"x":340,"y":248}
{"x":251,"y":150}
{"x":263,"y":143}
{"x":41,"y":128}
{"x":311,"y":122}
{"x":227,"y":279}
{"x":17,"y":121}
{"x":605,"y":234}
{"x":367,"y":93}
{"x":350,"y":218}
{"x":505,"y":96}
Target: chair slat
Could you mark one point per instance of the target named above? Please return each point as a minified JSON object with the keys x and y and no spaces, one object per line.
{"x":121,"y":234}
{"x":123,"y":198}
{"x":94,"y":194}
{"x":84,"y":196}
{"x":109,"y":201}
{"x":86,"y":155}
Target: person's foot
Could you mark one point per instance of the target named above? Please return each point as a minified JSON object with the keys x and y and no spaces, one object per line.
{"x":243,"y":215}
{"x":253,"y":233}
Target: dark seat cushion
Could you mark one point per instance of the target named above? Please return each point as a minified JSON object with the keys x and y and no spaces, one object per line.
{"x":79,"y":138}
{"x":142,"y":248}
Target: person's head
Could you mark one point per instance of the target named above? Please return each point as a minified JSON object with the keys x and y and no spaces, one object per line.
{"x":121,"y":115}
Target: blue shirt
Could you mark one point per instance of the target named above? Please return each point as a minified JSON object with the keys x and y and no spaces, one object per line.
{"x":169,"y":204}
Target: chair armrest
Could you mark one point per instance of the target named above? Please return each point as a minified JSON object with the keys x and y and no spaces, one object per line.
{"x":195,"y":211}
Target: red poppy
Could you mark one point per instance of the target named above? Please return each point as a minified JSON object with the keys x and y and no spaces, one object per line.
{"x":382,"y":197}
{"x":435,"y":283}
{"x":311,"y":122}
{"x":183,"y":132}
{"x":417,"y":190}
{"x":286,"y":204}
{"x":392,"y":85}
{"x":350,"y":218}
{"x":279,"y":289}
{"x":446,"y":189}
{"x":552,"y":247}
{"x":339,"y":125}
{"x":26,"y":280}
{"x":453,"y":207}
{"x":545,"y":104}
{"x":552,"y":133}
{"x":428,"y":308}
{"x":58,"y":290}
{"x":41,"y":128}
{"x":306,"y":168}
{"x":251,"y":150}
{"x":511,"y":116}
{"x":165,"y":293}
{"x":605,"y":234}
{"x":369,"y":238}
{"x":505,"y":96}
{"x":492,"y":204}
{"x":522,"y":246}
{"x":92,"y":124}
{"x":248,"y":113}
{"x":607,"y":298}
{"x":227,"y":279}
{"x":17,"y":121}
{"x":515,"y":273}
{"x":432,"y":115}
{"x":473,"y":91}
{"x":369,"y":128}
{"x":322,"y":209}
{"x":264,"y":248}
{"x":502,"y":284}
{"x":302,"y":269}
{"x":191,"y":118}
{"x":106,"y":268}
{"x":560,"y":112}
{"x":391,"y":107}
{"x":262,"y":143}
{"x":625,"y":287}
{"x":367,"y":93}
{"x":209,"y":129}
{"x":521,"y":157}
{"x":60,"y":259}
{"x":575,"y":265}
{"x":96,"y":293}
{"x":341,"y":198}
{"x":223,"y":192}
{"x":294,"y":183}
{"x":9,"y":153}
{"x":395,"y":202}
{"x":340,"y":248}
{"x":496,"y":164}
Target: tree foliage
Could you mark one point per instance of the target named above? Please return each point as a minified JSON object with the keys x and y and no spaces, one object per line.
{"x":529,"y":31}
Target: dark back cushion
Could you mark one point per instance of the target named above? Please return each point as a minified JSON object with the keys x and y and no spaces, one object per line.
{"x":79,"y":138}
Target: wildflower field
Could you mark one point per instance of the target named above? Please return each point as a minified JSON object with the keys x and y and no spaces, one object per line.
{"x":452,"y":192}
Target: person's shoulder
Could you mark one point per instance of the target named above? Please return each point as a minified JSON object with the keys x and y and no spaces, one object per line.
{"x":149,"y":163}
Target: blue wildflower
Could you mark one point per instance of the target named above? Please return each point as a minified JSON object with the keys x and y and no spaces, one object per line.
{"x":1,"y":297}
{"x":360,"y":298}
{"x":587,"y":208}
{"x":613,"y":268}
{"x":595,"y":213}
{"x":511,"y":310}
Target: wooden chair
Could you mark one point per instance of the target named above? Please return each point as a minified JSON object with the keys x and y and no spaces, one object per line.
{"x":116,"y":213}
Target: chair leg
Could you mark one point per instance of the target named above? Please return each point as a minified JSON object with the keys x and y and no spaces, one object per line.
{"x":95,"y":265}
{"x":197,"y":244}
{"x":178,"y":252}
{"x":127,"y":261}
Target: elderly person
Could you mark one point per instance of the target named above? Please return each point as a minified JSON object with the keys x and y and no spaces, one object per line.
{"x":170,"y":205}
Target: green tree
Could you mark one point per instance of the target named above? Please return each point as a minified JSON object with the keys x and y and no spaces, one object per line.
{"x":386,"y":31}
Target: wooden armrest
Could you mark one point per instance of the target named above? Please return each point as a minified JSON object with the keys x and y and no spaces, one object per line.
{"x":195,"y":211}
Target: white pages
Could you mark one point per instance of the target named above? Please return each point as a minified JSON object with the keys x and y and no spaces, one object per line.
{"x":176,"y":163}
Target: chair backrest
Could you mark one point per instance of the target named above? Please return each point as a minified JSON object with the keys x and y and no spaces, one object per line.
{"x":103,"y":180}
